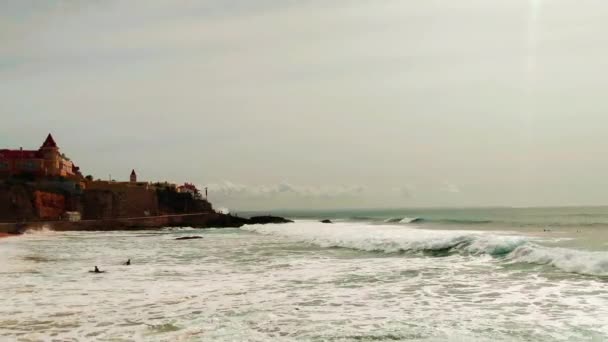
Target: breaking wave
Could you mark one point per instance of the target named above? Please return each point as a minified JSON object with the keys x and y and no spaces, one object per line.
{"x":399,"y":239}
{"x":422,"y":220}
{"x":404,"y":220}
{"x":44,"y":230}
{"x":391,"y":239}
{"x":568,"y":260}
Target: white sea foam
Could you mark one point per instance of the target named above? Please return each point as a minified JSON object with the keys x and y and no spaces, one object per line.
{"x":44,"y":230}
{"x":178,"y":228}
{"x":569,"y":260}
{"x":235,"y":285}
{"x":393,"y":239}
{"x":402,"y":220}
{"x":409,"y":220}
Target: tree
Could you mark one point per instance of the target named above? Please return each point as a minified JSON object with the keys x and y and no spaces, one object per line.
{"x":89,"y":178}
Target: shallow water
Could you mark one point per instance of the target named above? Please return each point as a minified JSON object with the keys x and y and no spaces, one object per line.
{"x":350,"y":281}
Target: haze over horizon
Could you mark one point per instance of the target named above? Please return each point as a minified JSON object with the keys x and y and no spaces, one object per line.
{"x":316,"y":104}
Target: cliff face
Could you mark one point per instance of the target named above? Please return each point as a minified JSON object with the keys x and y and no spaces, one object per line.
{"x":30,"y":202}
{"x":19,"y":202}
{"x":49,"y":206}
{"x":172,"y":202}
{"x":16,"y":203}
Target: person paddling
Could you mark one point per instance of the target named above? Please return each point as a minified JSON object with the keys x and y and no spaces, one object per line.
{"x":128,"y":262}
{"x":97,"y":270}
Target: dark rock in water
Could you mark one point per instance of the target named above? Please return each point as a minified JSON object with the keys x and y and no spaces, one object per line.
{"x":326,"y":221}
{"x":268,"y":219}
{"x":189,"y":238}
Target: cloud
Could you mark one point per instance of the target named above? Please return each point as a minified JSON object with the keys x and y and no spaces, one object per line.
{"x":230,"y":189}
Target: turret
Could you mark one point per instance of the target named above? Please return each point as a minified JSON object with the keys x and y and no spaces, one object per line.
{"x":49,"y":143}
{"x":133,"y":177}
{"x":50,"y":153}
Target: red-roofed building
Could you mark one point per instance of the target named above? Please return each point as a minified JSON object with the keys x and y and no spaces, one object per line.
{"x":189,"y":188}
{"x":44,"y":162}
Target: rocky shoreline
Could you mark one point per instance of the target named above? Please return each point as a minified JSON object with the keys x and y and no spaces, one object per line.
{"x":196,"y":220}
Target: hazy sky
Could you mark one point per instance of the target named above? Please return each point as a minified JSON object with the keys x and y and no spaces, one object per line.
{"x":354,"y":103}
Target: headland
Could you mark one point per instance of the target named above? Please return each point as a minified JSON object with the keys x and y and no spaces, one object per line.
{"x":44,"y":189}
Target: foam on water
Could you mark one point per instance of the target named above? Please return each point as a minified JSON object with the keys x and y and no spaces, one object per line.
{"x":573,"y":261}
{"x":393,"y":239}
{"x":45,"y":230}
{"x":404,"y":220}
{"x":262,"y":283}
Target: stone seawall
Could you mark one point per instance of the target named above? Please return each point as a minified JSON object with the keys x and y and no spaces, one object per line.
{"x":199,"y":220}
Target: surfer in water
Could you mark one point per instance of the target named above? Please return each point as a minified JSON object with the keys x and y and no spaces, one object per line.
{"x":96,"y":270}
{"x":128,"y":262}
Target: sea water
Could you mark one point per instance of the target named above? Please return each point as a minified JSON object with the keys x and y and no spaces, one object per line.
{"x":420,"y":275}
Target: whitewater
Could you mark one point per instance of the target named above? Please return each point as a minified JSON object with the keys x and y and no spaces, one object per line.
{"x":307,"y":281}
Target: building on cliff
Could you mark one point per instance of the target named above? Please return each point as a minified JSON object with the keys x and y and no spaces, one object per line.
{"x":44,"y":185}
{"x":47,"y":161}
{"x":191,"y":189}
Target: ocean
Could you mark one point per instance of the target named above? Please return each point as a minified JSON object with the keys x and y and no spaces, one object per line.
{"x":495,"y":274}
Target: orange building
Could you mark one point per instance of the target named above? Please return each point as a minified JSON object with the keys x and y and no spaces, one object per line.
{"x":44,"y":162}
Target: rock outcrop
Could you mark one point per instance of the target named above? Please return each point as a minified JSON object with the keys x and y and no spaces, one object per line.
{"x":189,"y":238}
{"x":267,"y":219}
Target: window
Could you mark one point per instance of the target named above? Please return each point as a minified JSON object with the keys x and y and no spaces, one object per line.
{"x":30,"y":165}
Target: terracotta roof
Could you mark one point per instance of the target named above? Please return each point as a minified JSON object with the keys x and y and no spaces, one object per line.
{"x":188,"y":186}
{"x":49,"y":142}
{"x":19,"y":154}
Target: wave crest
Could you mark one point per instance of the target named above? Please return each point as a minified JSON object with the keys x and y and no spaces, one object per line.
{"x":391,"y":239}
{"x":400,"y":239}
{"x":568,"y":260}
{"x":404,"y":220}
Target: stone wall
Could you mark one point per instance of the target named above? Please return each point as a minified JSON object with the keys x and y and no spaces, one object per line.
{"x":128,"y":202}
{"x":98,"y":204}
{"x":137,"y":202}
{"x":33,"y":201}
{"x":200,"y":220}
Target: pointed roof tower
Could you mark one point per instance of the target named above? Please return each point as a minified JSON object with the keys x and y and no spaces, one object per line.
{"x":133,"y":177}
{"x":49,"y":142}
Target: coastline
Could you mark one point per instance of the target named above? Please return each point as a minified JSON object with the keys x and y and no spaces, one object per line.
{"x":195,"y":220}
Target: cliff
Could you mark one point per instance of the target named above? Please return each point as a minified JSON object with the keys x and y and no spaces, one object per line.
{"x":171,"y":201}
{"x":22,"y":201}
{"x":16,"y":203}
{"x":37,"y":201}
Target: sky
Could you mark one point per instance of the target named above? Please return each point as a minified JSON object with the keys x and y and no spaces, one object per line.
{"x":318,"y":104}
